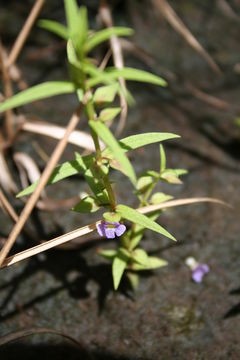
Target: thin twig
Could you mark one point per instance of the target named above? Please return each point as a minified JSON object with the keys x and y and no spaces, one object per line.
{"x":178,"y":25}
{"x":7,"y":85}
{"x":92,"y":227}
{"x":8,"y":207}
{"x":42,"y":182}
{"x":17,"y":46}
{"x":17,"y":335}
{"x":106,"y":17}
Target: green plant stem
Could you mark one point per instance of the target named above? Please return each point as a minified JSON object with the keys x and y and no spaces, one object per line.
{"x":92,"y":116}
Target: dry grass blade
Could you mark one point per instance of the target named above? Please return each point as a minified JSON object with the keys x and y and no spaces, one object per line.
{"x":27,"y":165}
{"x":42,"y":182}
{"x":17,"y":335}
{"x":17,"y":47}
{"x":86,"y":230}
{"x":180,"y":202}
{"x":8,"y":207}
{"x":106,"y":17}
{"x":7,"y":85}
{"x":50,"y":244}
{"x":178,"y":25}
{"x":208,"y":99}
{"x":79,"y":138}
{"x":6,"y":179}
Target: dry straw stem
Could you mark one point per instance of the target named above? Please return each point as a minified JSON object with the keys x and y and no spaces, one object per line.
{"x":106,"y":17}
{"x":178,"y":25}
{"x":8,"y":207}
{"x":42,"y":182}
{"x":17,"y":335}
{"x":17,"y":46}
{"x":7,"y":85}
{"x":81,"y":232}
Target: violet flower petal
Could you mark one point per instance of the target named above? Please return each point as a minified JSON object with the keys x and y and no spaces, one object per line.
{"x":110,"y":233}
{"x":120,"y":229}
{"x":101,"y":229}
{"x":199,"y":272}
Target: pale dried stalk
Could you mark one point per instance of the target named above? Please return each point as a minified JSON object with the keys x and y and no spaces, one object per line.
{"x":49,"y":244}
{"x":8,"y":207}
{"x":7,"y":85}
{"x":115,"y":44}
{"x":178,"y":25}
{"x":17,"y":47}
{"x":90,"y":228}
{"x":42,"y":182}
{"x":77,"y":137}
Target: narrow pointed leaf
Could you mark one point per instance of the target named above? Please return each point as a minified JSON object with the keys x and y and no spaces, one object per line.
{"x":105,"y":134}
{"x":109,"y":114}
{"x":118,"y":266}
{"x":162,"y":159}
{"x":134,"y":216}
{"x":38,"y":92}
{"x":128,"y":74}
{"x":136,"y":141}
{"x":54,"y":27}
{"x":105,"y":34}
{"x":152,"y":263}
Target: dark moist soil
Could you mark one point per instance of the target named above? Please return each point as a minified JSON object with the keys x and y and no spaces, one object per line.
{"x":169,"y":316}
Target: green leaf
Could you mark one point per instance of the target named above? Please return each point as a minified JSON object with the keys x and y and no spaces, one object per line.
{"x":107,"y":254}
{"x":105,"y":134}
{"x":140,"y":256}
{"x":109,"y":113}
{"x":144,"y":183}
{"x":118,"y":266}
{"x":77,"y":24}
{"x":38,"y":92}
{"x":105,"y":94}
{"x":162,"y":159}
{"x":172,"y":175}
{"x":136,"y":217}
{"x":111,"y":217}
{"x":152,"y":263}
{"x":105,"y":34}
{"x":138,"y":232}
{"x":87,"y":205}
{"x":133,"y":279}
{"x":54,"y":27}
{"x":159,"y":198}
{"x":128,"y":74}
{"x":136,"y":141}
{"x":67,"y":169}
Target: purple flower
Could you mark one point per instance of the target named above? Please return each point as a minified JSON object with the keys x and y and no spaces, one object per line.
{"x":110,"y":229}
{"x":199,"y":271}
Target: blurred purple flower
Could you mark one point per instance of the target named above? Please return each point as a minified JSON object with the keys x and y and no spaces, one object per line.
{"x":110,"y":229}
{"x":199,"y":271}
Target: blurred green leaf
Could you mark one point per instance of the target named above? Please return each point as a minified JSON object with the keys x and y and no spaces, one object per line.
{"x":118,"y":266}
{"x":131,"y":74}
{"x":105,"y":34}
{"x":109,"y":113}
{"x":162,"y":159}
{"x":159,"y":198}
{"x":136,"y":217}
{"x":138,"y":231}
{"x":152,"y":263}
{"x":38,"y":92}
{"x":54,"y":27}
{"x":140,"y":256}
{"x":172,"y":175}
{"x":87,"y":205}
{"x":107,"y":254}
{"x":144,"y":183}
{"x":111,"y":217}
{"x":133,"y":279}
{"x":105,"y":94}
{"x":105,"y":134}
